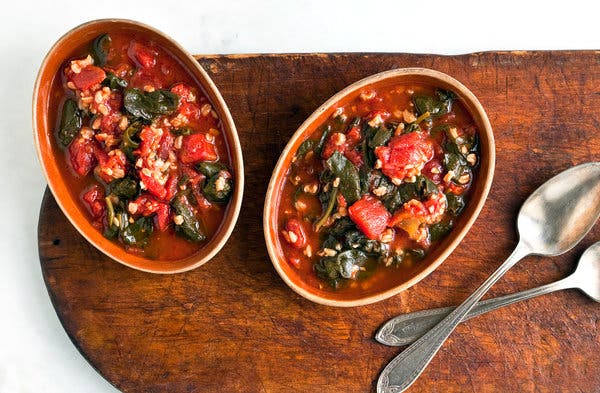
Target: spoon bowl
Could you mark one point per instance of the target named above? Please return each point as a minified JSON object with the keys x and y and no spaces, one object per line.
{"x":587,"y":275}
{"x":559,"y":213}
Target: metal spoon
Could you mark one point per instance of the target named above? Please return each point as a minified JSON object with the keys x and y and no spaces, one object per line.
{"x":551,"y":221}
{"x":406,"y":328}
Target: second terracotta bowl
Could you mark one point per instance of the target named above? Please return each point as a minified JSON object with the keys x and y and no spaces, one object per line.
{"x":440,"y":253}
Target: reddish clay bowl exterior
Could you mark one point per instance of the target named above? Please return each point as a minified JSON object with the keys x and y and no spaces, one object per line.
{"x":43,"y":135}
{"x":434,"y":259}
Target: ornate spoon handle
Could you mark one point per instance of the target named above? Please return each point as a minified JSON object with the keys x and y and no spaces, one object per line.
{"x":405,"y":368}
{"x":406,"y":328}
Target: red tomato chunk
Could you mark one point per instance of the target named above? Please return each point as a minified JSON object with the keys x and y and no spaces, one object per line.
{"x":370,"y":216}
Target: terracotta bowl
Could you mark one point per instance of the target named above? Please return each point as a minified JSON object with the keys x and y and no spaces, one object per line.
{"x":440,"y":253}
{"x":47,"y":150}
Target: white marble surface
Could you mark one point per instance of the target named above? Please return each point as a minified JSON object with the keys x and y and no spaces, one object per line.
{"x":35,"y":353}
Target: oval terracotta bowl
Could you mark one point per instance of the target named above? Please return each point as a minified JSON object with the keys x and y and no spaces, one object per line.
{"x":419,"y":270}
{"x":47,"y":149}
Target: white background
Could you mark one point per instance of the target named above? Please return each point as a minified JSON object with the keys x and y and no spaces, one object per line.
{"x":35,"y":353}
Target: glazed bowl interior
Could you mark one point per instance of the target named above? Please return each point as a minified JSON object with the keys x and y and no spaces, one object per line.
{"x":418,"y":271}
{"x":44,"y":121}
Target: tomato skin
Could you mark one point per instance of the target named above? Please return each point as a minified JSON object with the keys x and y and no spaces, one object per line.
{"x":94,"y":200}
{"x":405,"y":155}
{"x":196,"y":148}
{"x":434,"y":171}
{"x":184,"y":92}
{"x":143,"y":55}
{"x":294,"y":226}
{"x":82,"y":155}
{"x":146,"y":205}
{"x":165,"y":145}
{"x":370,"y":216}
{"x":89,"y":77}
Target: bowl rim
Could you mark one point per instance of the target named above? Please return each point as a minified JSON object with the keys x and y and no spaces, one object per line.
{"x":272,"y":193}
{"x":233,"y":146}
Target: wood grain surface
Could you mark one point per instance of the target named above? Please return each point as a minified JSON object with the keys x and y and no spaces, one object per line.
{"x":234,"y":326}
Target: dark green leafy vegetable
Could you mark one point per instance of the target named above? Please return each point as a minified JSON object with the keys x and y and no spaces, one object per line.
{"x":209,"y":169}
{"x":422,"y":187}
{"x":439,"y":230}
{"x":218,"y":188}
{"x":125,"y":188}
{"x":344,"y":265}
{"x":345,"y":170}
{"x":148,"y":105}
{"x":100,"y":49}
{"x":190,"y":227}
{"x":182,"y":131}
{"x":70,"y":122}
{"x":322,"y":140}
{"x":327,"y":212}
{"x":436,"y":106}
{"x":305,"y":147}
{"x":456,"y":163}
{"x":114,"y":82}
{"x":456,"y":203}
{"x":380,"y":138}
{"x":136,"y":234}
{"x":130,"y":141}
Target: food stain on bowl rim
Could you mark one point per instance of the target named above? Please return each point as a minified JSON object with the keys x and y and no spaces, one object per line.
{"x":400,"y":77}
{"x":51,"y":68}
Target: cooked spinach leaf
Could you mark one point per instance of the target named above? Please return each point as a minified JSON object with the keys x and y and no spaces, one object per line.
{"x":136,"y":234}
{"x":380,"y":138}
{"x":439,"y":230}
{"x":456,"y":203}
{"x":436,"y":106}
{"x":182,"y":131}
{"x":218,"y":188}
{"x":114,"y":82}
{"x":456,"y":163}
{"x":209,"y":169}
{"x":322,"y":140}
{"x":403,"y":193}
{"x":190,"y":227}
{"x":345,"y":265}
{"x":148,"y":105}
{"x":130,"y":141}
{"x":100,"y":49}
{"x":70,"y":122}
{"x":305,"y":147}
{"x":345,"y":170}
{"x":125,"y":188}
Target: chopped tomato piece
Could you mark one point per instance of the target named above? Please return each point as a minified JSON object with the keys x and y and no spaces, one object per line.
{"x":147,"y":205}
{"x":111,"y":166}
{"x":405,"y":155}
{"x":190,"y":110}
{"x":414,"y":213}
{"x":143,"y":55}
{"x":150,"y":141}
{"x":152,"y":185}
{"x":196,"y":148}
{"x":336,"y":142}
{"x":294,"y":233}
{"x":94,"y":199}
{"x":354,"y":156}
{"x":165,"y":145}
{"x":353,"y":136}
{"x":184,"y":92}
{"x":172,"y":186}
{"x":370,"y":216}
{"x":89,"y":77}
{"x":81,"y":155}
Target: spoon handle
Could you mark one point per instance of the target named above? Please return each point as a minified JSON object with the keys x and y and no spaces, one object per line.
{"x":405,"y":368}
{"x":406,"y":328}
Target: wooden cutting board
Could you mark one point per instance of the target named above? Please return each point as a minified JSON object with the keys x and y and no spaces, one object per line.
{"x":234,"y":326}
